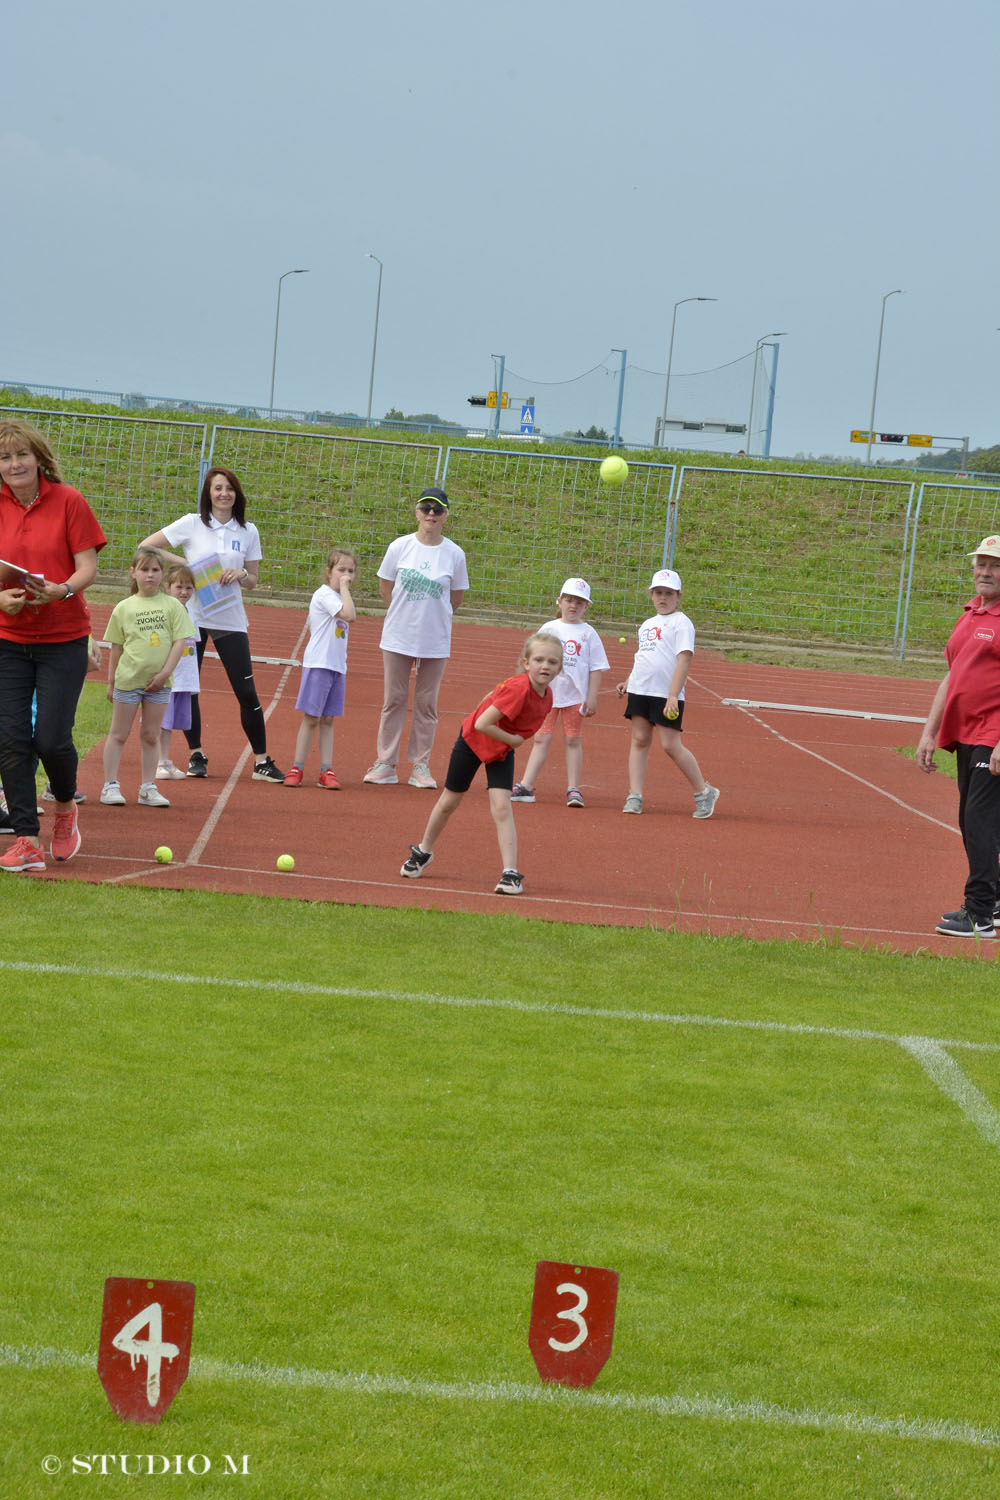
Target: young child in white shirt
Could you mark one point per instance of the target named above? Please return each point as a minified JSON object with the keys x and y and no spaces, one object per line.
{"x":655,"y":690}
{"x":324,"y":668}
{"x":574,"y":691}
{"x":180,"y":584}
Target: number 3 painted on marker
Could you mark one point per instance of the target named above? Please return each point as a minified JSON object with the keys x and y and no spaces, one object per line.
{"x":572,"y":1315}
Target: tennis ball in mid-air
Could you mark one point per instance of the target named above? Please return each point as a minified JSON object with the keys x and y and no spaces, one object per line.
{"x":621,"y":640}
{"x":286,"y":862}
{"x":163,"y":855}
{"x":614,"y":470}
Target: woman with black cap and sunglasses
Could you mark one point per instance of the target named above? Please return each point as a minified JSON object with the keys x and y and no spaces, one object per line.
{"x":422,"y":580}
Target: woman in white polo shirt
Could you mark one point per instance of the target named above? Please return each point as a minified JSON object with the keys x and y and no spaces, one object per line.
{"x":219,"y":528}
{"x":422,"y":579}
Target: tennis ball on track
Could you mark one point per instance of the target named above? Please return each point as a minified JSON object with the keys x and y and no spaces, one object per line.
{"x":286,"y":862}
{"x":163,"y":855}
{"x":614,"y":470}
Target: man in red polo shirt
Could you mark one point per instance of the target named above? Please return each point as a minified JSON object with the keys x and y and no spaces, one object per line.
{"x":965,"y":717}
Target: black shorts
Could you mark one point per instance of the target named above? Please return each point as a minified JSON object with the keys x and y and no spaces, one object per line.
{"x":642,"y":707}
{"x":465,"y":763}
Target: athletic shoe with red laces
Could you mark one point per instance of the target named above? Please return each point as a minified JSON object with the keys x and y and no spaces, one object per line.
{"x":23,"y":854}
{"x":293,"y":777}
{"x":328,"y":780}
{"x":65,"y":835}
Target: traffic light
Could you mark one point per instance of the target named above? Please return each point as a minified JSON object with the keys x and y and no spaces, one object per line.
{"x":477,"y":400}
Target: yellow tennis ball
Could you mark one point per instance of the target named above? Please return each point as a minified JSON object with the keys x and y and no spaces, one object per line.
{"x":621,"y":640}
{"x":286,"y":862}
{"x":163,"y":855}
{"x":672,"y":713}
{"x":614,"y":470}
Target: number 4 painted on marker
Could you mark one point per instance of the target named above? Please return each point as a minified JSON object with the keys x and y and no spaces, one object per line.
{"x":153,"y":1350}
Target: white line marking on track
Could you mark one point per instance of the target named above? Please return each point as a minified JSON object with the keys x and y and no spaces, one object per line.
{"x":945,"y":1072}
{"x":824,"y":760}
{"x":481,"y":1002}
{"x":508,"y":1392}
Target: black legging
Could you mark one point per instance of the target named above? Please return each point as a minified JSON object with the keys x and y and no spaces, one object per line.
{"x":233,"y":647}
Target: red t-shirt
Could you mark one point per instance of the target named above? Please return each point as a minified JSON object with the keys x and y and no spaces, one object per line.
{"x":972,"y":706}
{"x":523,"y":712}
{"x":43,"y":538}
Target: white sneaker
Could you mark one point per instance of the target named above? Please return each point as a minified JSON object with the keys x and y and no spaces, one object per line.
{"x":151,"y":796}
{"x":167,"y":771}
{"x":704,"y":802}
{"x":381,"y":774}
{"x":421,"y":775}
{"x":111,"y":794}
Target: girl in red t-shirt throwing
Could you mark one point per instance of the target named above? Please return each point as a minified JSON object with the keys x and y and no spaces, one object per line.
{"x":503,"y":721}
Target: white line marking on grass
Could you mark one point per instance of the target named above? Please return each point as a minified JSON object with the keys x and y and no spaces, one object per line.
{"x":945,"y":1072}
{"x":824,"y":760}
{"x":483,"y":1002}
{"x":508,"y":1392}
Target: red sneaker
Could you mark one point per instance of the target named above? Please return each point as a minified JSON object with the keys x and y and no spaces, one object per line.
{"x":23,"y":854}
{"x":328,"y":780}
{"x":293,"y":777}
{"x":65,"y":835}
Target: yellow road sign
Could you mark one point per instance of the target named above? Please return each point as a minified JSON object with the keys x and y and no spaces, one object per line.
{"x":919,"y":440}
{"x":859,"y":437}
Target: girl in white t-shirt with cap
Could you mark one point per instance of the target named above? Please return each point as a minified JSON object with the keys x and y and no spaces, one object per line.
{"x":655,"y":690}
{"x":422,"y":580}
{"x":219,"y":531}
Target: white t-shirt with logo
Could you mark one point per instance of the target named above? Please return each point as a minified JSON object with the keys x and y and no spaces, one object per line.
{"x":186,"y":670}
{"x":327,"y":644}
{"x":583,"y":653}
{"x":418,"y":620}
{"x":661,"y":639}
{"x":236,"y":545}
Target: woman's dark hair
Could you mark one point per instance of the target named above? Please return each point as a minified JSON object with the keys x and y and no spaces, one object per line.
{"x":205,"y":502}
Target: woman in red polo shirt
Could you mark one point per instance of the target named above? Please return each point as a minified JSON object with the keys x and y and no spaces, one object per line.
{"x":48,"y":530}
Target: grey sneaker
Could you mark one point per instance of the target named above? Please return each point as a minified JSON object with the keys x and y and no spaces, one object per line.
{"x":421,"y":776}
{"x":150,"y":796}
{"x":197,"y":764}
{"x":522,"y":793}
{"x":417,"y":862}
{"x":633,"y":803}
{"x":511,"y":883}
{"x":111,"y":794}
{"x":961,"y":923}
{"x":704,"y":802}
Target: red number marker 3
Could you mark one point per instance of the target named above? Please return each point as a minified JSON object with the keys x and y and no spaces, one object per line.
{"x":572,"y":1321}
{"x":145,"y":1344}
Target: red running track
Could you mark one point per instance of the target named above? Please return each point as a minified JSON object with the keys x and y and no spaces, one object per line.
{"x":822,"y":829}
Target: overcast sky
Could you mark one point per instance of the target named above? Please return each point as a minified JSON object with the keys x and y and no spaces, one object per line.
{"x":540,"y":180}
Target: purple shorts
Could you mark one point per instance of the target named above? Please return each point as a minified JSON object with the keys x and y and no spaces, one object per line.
{"x":178,"y":714}
{"x":321,"y":693}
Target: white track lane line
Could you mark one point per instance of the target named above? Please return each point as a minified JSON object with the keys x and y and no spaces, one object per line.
{"x":824,"y":760}
{"x":511,"y":1393}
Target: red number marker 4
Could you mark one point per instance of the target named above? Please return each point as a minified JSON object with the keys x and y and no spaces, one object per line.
{"x":572,"y":1321}
{"x":145,"y":1344}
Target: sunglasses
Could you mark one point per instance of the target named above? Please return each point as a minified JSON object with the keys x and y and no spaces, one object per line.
{"x":432,"y":510}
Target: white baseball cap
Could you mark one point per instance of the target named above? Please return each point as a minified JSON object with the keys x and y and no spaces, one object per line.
{"x":666,"y":578}
{"x":988,"y":547}
{"x":578,"y":587}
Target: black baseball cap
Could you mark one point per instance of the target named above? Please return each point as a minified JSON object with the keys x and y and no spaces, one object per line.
{"x":438,"y":496}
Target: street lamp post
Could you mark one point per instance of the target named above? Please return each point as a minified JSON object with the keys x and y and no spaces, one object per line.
{"x":670,"y":358}
{"x":378,"y":300}
{"x":878,"y":358}
{"x":753,"y":384}
{"x":302,"y":271}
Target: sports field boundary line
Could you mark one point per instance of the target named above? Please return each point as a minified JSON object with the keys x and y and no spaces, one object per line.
{"x":944,"y":1072}
{"x":508,"y":1392}
{"x":490,"y":1002}
{"x":825,"y":760}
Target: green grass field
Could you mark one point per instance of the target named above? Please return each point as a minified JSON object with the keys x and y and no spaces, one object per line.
{"x":358,"y":1130}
